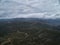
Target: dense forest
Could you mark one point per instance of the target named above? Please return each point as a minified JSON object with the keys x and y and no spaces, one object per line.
{"x":28,"y":33}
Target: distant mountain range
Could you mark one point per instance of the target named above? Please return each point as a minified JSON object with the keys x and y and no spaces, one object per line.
{"x":54,"y":22}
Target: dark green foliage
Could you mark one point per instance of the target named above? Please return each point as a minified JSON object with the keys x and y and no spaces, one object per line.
{"x":28,"y":33}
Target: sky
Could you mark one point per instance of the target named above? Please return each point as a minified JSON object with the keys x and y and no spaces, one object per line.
{"x":46,"y":9}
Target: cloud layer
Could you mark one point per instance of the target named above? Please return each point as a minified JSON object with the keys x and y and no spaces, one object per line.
{"x":48,"y":9}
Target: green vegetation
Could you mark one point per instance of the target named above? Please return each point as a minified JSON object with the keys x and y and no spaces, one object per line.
{"x":28,"y":33}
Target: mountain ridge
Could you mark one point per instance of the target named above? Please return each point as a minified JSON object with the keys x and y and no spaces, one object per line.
{"x":54,"y":22}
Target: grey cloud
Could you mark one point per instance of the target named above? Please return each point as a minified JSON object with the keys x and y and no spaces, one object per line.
{"x":29,"y":8}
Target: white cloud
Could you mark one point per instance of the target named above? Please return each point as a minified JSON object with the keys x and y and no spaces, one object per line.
{"x":35,"y":15}
{"x":30,"y":9}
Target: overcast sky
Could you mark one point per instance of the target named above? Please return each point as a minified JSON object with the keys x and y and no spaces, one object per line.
{"x":30,"y":9}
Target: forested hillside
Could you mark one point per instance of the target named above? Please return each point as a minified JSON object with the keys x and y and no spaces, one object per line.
{"x":28,"y":33}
